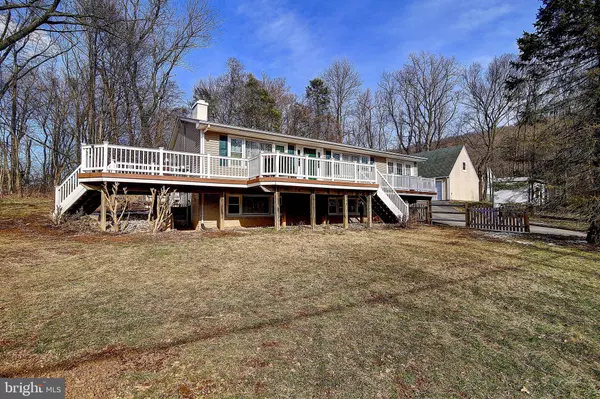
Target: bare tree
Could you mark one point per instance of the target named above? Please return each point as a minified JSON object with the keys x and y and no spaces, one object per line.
{"x":117,"y":205}
{"x":487,"y":106}
{"x":162,"y":202}
{"x":344,"y":83}
{"x":391,"y":101}
{"x":428,"y":88}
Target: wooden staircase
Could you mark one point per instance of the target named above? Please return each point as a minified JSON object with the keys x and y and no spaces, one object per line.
{"x":384,"y":213}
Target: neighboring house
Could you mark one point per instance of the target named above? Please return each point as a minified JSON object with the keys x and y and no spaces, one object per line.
{"x":519,"y":190}
{"x":245,"y":177}
{"x":454,"y":174}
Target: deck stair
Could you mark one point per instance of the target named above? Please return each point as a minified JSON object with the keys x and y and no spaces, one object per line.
{"x":71,"y":196}
{"x":387,"y":203}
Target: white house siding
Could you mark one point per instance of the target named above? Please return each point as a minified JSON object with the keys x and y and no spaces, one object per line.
{"x":463,"y":185}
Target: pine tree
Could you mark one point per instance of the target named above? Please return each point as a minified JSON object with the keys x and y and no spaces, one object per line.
{"x":563,"y":54}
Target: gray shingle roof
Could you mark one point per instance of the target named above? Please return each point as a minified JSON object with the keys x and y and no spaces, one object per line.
{"x":439,"y":162}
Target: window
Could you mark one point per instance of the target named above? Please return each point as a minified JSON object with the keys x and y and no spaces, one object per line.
{"x":337,"y":156}
{"x":254,"y":148}
{"x":248,"y":205}
{"x":233,"y":204}
{"x":408,"y":170}
{"x":390,"y":167}
{"x":364,"y":160}
{"x":332,"y":209}
{"x":291,"y":149}
{"x":336,"y":206}
{"x":237,"y":148}
{"x":398,"y":168}
{"x":464,"y":166}
{"x":256,"y":205}
{"x":279,"y":148}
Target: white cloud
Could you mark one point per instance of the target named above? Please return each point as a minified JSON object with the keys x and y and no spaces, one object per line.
{"x":480,"y":14}
{"x":286,"y":35}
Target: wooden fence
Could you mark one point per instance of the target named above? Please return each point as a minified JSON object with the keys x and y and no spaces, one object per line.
{"x":496,"y":219}
{"x":420,"y":212}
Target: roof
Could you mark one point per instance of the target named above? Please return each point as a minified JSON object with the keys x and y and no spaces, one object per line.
{"x":439,"y":162}
{"x":219,"y":127}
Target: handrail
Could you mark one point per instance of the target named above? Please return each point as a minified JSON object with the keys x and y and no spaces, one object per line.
{"x":393,"y":196}
{"x":66,"y":188}
{"x":406,"y":182}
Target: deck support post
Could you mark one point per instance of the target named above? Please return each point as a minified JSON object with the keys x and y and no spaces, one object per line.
{"x":345,"y":211}
{"x":369,"y":210}
{"x":102,"y":211}
{"x":221,"y":224}
{"x":313,"y":210}
{"x":277,"y":210}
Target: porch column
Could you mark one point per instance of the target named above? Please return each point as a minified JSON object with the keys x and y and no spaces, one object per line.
{"x":102,"y":211}
{"x":276,"y":210}
{"x":221,"y":224}
{"x":313,"y":210}
{"x":369,"y":211}
{"x":345,"y":211}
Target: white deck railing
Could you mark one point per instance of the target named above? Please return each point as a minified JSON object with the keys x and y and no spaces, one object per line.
{"x":416,"y":183}
{"x":146,"y":161}
{"x":305,"y":167}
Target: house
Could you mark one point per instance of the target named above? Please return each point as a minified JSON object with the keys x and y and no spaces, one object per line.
{"x":237,"y":176}
{"x":519,"y":190}
{"x":454,"y":174}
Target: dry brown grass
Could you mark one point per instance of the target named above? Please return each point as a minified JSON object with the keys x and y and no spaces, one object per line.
{"x":422,"y":312}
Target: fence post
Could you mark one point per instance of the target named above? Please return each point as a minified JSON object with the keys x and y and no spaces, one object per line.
{"x":105,"y":157}
{"x":161,"y":161}
{"x":467,"y":216}
{"x":429,"y":211}
{"x":526,"y":218}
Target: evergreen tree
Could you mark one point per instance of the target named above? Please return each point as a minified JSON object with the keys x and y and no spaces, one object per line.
{"x":317,"y":96}
{"x":259,"y":108}
{"x":563,"y":54}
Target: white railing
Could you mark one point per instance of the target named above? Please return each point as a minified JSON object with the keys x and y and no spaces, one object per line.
{"x":417,"y":183}
{"x":390,"y":194}
{"x":305,"y":167}
{"x":62,"y":192}
{"x":146,"y":161}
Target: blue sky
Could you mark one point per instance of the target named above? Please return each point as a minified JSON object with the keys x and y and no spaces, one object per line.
{"x":298,"y":40}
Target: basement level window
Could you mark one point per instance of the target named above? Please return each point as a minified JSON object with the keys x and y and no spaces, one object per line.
{"x":336,"y":206}
{"x":249,"y":205}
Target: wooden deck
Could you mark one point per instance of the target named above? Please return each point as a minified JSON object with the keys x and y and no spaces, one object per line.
{"x":141,"y":183}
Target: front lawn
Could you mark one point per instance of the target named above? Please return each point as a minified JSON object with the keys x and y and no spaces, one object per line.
{"x":420,"y":312}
